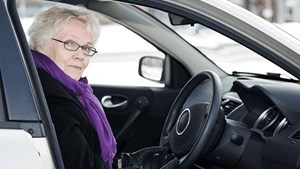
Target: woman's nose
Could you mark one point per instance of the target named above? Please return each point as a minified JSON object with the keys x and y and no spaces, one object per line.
{"x":79,"y":54}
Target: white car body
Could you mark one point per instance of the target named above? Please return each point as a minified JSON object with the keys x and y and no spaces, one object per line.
{"x":18,"y":149}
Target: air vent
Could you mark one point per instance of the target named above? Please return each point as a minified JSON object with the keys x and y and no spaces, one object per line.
{"x":229,"y":105}
{"x":297,"y":135}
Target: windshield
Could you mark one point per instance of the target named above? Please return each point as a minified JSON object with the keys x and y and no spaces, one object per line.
{"x":226,"y":53}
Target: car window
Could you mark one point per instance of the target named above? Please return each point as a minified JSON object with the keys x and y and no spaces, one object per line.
{"x":119,"y":53}
{"x":119,"y":49}
{"x":226,"y":53}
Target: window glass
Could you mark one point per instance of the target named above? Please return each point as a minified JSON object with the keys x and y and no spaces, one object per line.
{"x":117,"y":61}
{"x":119,"y":50}
{"x":226,"y":53}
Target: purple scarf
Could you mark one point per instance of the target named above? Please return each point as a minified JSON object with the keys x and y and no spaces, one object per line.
{"x":89,"y":101}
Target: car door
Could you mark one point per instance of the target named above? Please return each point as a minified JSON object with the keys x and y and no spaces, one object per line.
{"x":27,"y":137}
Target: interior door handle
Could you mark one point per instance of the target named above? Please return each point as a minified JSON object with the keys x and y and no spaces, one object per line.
{"x":108,"y":102}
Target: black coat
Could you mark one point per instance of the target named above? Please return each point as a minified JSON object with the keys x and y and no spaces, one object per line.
{"x":77,"y":137}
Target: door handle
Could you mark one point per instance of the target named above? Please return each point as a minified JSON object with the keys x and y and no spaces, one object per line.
{"x":108,"y":102}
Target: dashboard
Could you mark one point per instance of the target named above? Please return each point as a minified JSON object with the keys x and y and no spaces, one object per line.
{"x":265,"y":114}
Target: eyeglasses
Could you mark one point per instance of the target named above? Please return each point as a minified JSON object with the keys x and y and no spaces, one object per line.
{"x":73,"y":46}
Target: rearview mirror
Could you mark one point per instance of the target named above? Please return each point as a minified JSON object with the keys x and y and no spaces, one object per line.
{"x":151,"y":68}
{"x":178,"y":20}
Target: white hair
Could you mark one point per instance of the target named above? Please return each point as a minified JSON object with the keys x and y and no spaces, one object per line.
{"x":53,"y":20}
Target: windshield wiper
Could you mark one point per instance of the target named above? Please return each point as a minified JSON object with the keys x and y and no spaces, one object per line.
{"x":269,"y":75}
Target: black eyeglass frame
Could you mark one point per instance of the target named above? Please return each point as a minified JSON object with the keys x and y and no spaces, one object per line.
{"x":92,"y":49}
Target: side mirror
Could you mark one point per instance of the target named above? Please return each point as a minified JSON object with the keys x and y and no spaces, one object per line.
{"x":151,"y":68}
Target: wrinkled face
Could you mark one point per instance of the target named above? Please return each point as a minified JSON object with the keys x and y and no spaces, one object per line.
{"x":73,"y":63}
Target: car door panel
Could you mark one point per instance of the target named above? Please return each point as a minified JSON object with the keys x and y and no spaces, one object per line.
{"x":141,"y":110}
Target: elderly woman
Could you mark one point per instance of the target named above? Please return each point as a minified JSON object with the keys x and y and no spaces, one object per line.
{"x":62,"y":43}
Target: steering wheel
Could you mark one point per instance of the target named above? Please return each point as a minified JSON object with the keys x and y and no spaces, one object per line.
{"x":195,"y":121}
